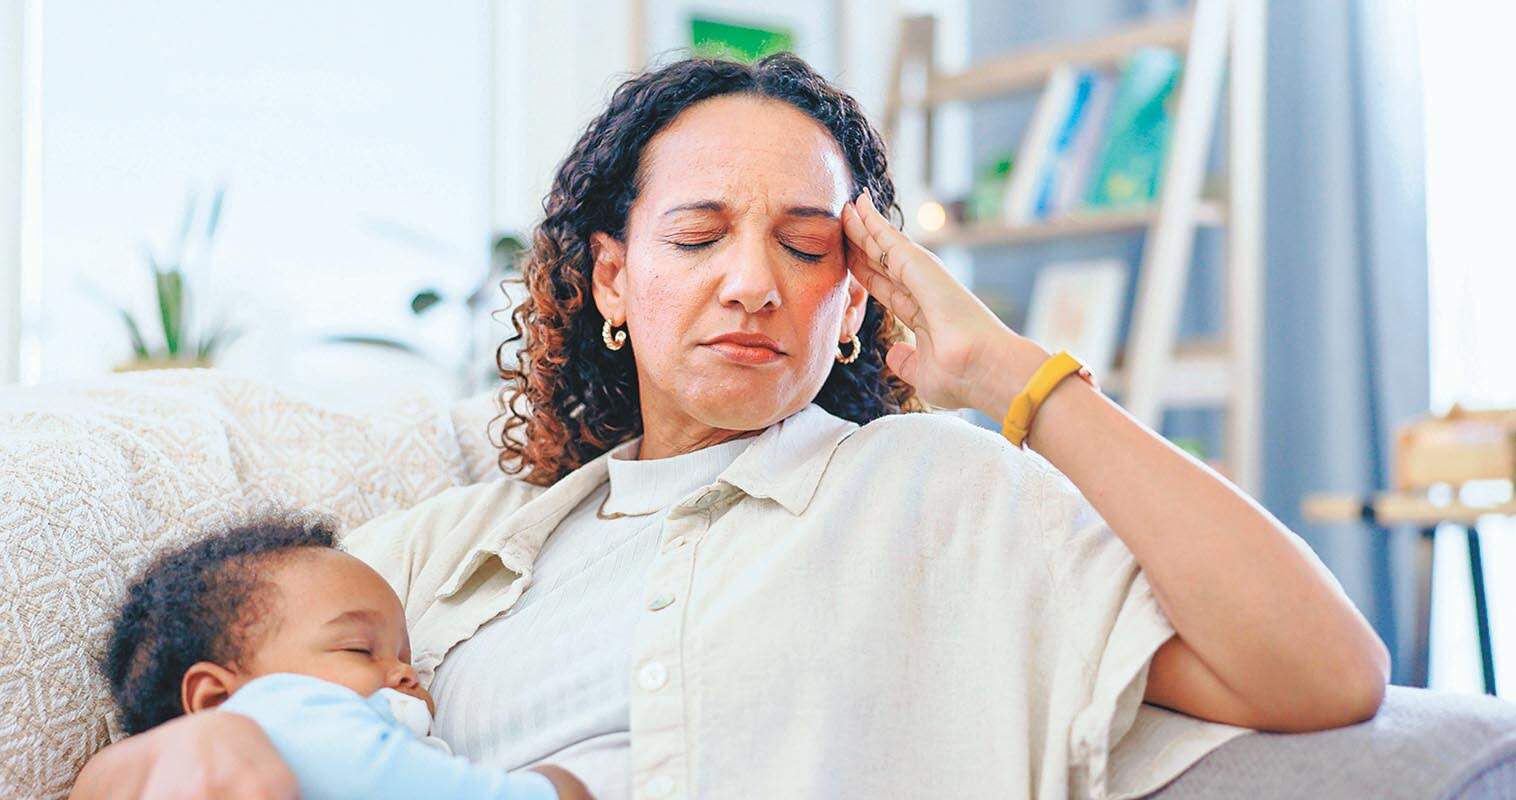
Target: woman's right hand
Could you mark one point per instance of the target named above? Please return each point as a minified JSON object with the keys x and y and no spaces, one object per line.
{"x":209,"y":754}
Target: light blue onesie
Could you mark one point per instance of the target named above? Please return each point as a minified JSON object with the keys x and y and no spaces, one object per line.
{"x":340,"y":744}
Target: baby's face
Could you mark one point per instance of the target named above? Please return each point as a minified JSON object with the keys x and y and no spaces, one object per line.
{"x":335,"y":619}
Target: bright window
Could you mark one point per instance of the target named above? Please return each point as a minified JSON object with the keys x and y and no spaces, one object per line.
{"x":1471,"y":173}
{"x":353,"y":138}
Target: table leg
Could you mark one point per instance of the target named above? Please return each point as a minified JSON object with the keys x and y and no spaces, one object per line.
{"x":1481,"y":609}
{"x":1421,"y":648}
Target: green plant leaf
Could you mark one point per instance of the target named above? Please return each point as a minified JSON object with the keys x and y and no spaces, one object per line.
{"x":507,"y":253}
{"x":150,"y":258}
{"x":1193,"y":445}
{"x":213,"y":220}
{"x":170,"y":286}
{"x":186,"y":223}
{"x":425,"y":299}
{"x":509,"y":244}
{"x":376,"y":341}
{"x":219,"y":339}
{"x":139,"y":347}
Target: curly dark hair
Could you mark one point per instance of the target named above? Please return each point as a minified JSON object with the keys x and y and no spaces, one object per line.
{"x":201,"y":602}
{"x":582,"y":397}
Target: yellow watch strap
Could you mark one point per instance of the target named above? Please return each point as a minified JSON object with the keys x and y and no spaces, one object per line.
{"x":1018,"y":418}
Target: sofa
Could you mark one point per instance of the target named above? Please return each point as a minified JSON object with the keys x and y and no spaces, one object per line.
{"x":97,"y":476}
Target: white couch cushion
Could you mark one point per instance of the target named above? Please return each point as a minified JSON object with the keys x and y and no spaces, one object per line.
{"x":96,"y":477}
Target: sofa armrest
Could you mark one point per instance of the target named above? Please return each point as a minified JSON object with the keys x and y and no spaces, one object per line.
{"x":1422,"y":744}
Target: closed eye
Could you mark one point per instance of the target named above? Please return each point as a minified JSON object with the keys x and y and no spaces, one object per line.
{"x":359,"y":650}
{"x":803,"y":255}
{"x":800,"y":254}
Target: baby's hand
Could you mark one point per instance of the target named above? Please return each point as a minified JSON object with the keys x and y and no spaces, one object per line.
{"x":568,"y":786}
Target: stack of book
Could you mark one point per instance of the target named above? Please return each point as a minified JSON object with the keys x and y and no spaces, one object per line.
{"x":1096,"y":140}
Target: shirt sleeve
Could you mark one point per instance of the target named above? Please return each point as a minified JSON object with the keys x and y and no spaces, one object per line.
{"x":398,"y":543}
{"x":339,"y":745}
{"x":1110,"y":626}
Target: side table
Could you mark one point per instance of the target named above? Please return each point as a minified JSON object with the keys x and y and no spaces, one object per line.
{"x":1388,"y":509}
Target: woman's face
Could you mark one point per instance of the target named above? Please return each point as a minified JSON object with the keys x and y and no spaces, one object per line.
{"x":736,"y":229}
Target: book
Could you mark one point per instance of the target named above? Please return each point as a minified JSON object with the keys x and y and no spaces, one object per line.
{"x":1052,"y":109}
{"x":1061,"y":148}
{"x":1131,"y":160}
{"x":1076,"y":166}
{"x":989,"y":188}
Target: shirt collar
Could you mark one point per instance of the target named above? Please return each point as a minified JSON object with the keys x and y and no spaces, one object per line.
{"x":784,"y":463}
{"x":645,"y":486}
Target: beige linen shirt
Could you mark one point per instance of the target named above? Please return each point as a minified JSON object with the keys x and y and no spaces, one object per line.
{"x":910,"y":608}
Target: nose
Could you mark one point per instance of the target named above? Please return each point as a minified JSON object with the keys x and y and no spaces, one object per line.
{"x":402,"y":676}
{"x":748,"y":278}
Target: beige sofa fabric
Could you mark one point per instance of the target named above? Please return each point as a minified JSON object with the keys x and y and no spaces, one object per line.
{"x":96,"y":477}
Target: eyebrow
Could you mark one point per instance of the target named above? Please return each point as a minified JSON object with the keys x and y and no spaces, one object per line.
{"x":717,"y":205}
{"x":354,"y":616}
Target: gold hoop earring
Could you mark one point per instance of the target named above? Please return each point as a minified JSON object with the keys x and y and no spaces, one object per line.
{"x":613,"y":343}
{"x":857,"y":348}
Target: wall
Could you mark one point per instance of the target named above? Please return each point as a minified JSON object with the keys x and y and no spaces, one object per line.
{"x":556,"y":64}
{"x":353,"y":138}
{"x":368,"y":149}
{"x":12,"y":29}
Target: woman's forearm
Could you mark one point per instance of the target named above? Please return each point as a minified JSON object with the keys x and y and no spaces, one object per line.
{"x":1242,"y":591}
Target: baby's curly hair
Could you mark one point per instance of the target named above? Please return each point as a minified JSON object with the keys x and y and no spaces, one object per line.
{"x":201,"y":602}
{"x":582,"y":397}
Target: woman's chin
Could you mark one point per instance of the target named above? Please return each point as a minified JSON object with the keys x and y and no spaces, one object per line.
{"x":746,"y":407}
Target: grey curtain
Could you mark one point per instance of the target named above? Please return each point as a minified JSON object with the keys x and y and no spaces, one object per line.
{"x":1346,"y":350}
{"x":1347,"y":354}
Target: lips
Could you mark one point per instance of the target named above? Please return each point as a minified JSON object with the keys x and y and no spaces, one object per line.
{"x":746,"y":348}
{"x":751,"y":340}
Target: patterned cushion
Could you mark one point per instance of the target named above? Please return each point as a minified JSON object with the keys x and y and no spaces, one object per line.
{"x":96,"y":477}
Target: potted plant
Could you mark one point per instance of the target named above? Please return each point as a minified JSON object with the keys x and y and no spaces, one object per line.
{"x":472,"y":373}
{"x":182,"y":343}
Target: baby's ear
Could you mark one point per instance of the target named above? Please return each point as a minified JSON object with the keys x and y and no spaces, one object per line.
{"x":206,"y":685}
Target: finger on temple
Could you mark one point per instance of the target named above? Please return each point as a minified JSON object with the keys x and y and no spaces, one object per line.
{"x":886,"y":238}
{"x":874,"y":282}
{"x":887,"y":290}
{"x":859,"y":233}
{"x":852,"y":225}
{"x":865,"y":262}
{"x":880,"y":228}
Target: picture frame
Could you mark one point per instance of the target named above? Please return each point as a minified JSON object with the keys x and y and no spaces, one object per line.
{"x":1077,"y":306}
{"x":808,"y":29}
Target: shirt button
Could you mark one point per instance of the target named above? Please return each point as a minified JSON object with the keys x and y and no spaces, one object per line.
{"x":653,"y":675}
{"x":660,"y":786}
{"x":1081,"y":749}
{"x":674,"y":543}
{"x":662,"y":601}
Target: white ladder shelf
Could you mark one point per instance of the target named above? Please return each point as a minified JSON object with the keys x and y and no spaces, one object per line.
{"x":1222,"y":43}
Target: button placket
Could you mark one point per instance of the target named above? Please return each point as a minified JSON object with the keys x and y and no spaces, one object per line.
{"x":658,"y":711}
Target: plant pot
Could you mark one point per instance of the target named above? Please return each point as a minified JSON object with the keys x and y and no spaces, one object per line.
{"x":141,"y":365}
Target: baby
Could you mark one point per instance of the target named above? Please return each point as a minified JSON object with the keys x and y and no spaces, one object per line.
{"x":271,"y":621}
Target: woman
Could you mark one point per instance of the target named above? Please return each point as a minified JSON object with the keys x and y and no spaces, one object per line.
{"x":730,"y":565}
